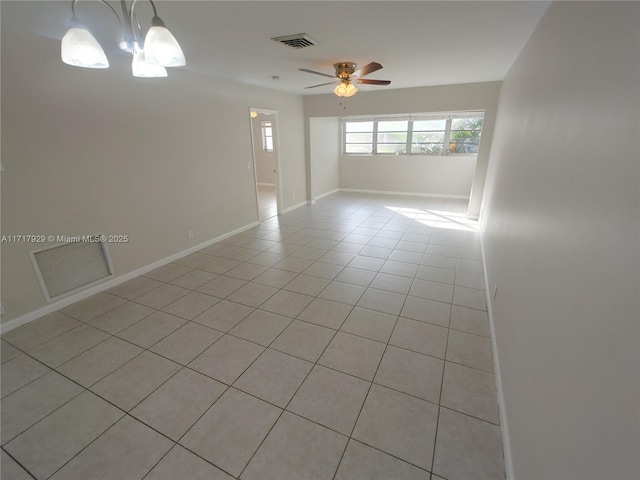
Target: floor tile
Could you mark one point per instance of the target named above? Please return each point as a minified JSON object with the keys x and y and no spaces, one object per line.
{"x":367,"y":263}
{"x":398,"y":424}
{"x":162,"y":296}
{"x":132,"y":382}
{"x":287,"y":303}
{"x":370,"y":324}
{"x":406,"y":257}
{"x":467,"y":448}
{"x":152,"y":329}
{"x":303,"y":340}
{"x":382,"y":301}
{"x":42,"y":330}
{"x":252,"y":294}
{"x":471,"y":266}
{"x":220,"y":266}
{"x":33,"y":402}
{"x":469,"y":297}
{"x":18,"y":372}
{"x":337,"y":258}
{"x":470,"y":320}
{"x":420,"y":337}
{"x":53,"y":441}
{"x":409,"y":372}
{"x":309,"y":253}
{"x":8,"y":351}
{"x":266,"y":259}
{"x":222,"y":286}
{"x":410,"y":246}
{"x":356,"y":276}
{"x":307,"y":285}
{"x":361,"y":462}
{"x":232,"y":430}
{"x":227,"y":359}
{"x":93,"y":306}
{"x":470,"y":391}
{"x":383,"y":242}
{"x":375,"y":252}
{"x":261,"y":327}
{"x":323,"y":270}
{"x":186,"y":343}
{"x":438,"y":261}
{"x":330,"y":398}
{"x":274,"y":377}
{"x":99,"y":361}
{"x":135,"y":287}
{"x":392,"y":283}
{"x":246,"y":271}
{"x":435,"y":274}
{"x":342,"y":292}
{"x":11,"y":470}
{"x":68,"y":345}
{"x":470,"y":280}
{"x":470,"y":350}
{"x":136,"y":447}
{"x":432,"y":290}
{"x":426,"y":310}
{"x":179,"y":463}
{"x":122,"y":317}
{"x":297,"y":449}
{"x":353,"y":355}
{"x":224,"y":315}
{"x":242,"y":254}
{"x":174,"y":407}
{"x":191,"y":305}
{"x":168,"y":272}
{"x":275,"y":278}
{"x":347,"y":247}
{"x":325,"y":313}
{"x":404,"y":269}
{"x":293,"y":264}
{"x":194,"y":260}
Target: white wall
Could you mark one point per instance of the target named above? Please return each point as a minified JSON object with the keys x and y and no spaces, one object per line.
{"x":560,"y":227}
{"x":434,"y":175}
{"x":445,"y":98}
{"x":265,"y":161}
{"x":89,"y":151}
{"x":324,"y":146}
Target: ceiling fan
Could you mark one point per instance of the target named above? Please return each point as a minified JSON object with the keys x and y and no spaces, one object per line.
{"x":347,"y":75}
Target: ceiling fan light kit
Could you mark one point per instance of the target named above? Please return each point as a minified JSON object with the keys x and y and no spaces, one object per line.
{"x":347,"y":75}
{"x":159,"y":50}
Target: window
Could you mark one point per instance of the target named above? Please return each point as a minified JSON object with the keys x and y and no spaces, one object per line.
{"x":415,"y":135}
{"x":267,"y":136}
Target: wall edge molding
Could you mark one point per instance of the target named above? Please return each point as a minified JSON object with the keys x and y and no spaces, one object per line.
{"x":411,"y":194}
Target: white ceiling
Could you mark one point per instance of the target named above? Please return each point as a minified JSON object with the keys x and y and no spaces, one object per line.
{"x":419,"y":43}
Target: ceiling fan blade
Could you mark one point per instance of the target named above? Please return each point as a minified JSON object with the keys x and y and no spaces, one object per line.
{"x":373,"y":82}
{"x":367,"y":69}
{"x":321,"y":85}
{"x":316,"y":73}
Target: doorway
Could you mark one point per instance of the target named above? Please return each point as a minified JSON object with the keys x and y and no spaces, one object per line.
{"x":264,"y":134}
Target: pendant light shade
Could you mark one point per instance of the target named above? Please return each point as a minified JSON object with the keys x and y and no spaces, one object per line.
{"x":81,"y":49}
{"x":345,"y":89}
{"x":161,"y":47}
{"x":144,"y":69}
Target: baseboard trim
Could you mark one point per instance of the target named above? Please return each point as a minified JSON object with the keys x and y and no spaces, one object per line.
{"x":506,"y":444}
{"x":325,"y":194}
{"x":407,"y":194}
{"x":293,"y":207}
{"x":112,"y":282}
{"x":261,"y":184}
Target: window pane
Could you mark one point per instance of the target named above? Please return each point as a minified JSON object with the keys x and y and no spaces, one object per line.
{"x":358,"y":148}
{"x":359,"y":127}
{"x":466,"y":124}
{"x":429,"y":124}
{"x":427,"y":148}
{"x":392,"y":137}
{"x":269,"y":143}
{"x":359,"y":137}
{"x":394,"y":126}
{"x":267,"y":131}
{"x":422,"y":137}
{"x":392,"y":148}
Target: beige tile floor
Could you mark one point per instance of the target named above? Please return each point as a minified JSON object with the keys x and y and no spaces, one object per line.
{"x":344,"y":340}
{"x":267,"y":202}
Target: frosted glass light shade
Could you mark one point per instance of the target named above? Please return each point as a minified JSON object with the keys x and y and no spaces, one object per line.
{"x":340,"y":89}
{"x":351,"y":90}
{"x":144,"y":69}
{"x":345,"y":89}
{"x":161,"y":47}
{"x":80,"y":49}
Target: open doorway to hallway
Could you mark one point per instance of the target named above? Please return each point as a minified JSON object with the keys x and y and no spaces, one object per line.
{"x":265,"y":158}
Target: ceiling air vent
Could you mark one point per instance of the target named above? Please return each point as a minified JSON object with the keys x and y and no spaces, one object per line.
{"x":299,"y":40}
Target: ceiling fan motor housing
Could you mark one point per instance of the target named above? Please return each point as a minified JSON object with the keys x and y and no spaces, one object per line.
{"x":344,"y":70}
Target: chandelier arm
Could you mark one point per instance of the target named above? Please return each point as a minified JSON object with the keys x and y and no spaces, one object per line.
{"x":104,"y":2}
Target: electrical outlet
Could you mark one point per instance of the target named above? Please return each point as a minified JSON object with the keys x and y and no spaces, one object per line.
{"x":190,"y":234}
{"x":495,"y":291}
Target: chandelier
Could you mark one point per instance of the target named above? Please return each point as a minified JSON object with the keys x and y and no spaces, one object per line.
{"x":160,"y":49}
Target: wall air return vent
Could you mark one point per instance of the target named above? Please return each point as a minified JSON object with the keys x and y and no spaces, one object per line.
{"x":64,"y":269}
{"x":299,"y":40}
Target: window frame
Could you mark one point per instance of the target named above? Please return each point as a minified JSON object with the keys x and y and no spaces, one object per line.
{"x":264,"y":124}
{"x":410,"y":118}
